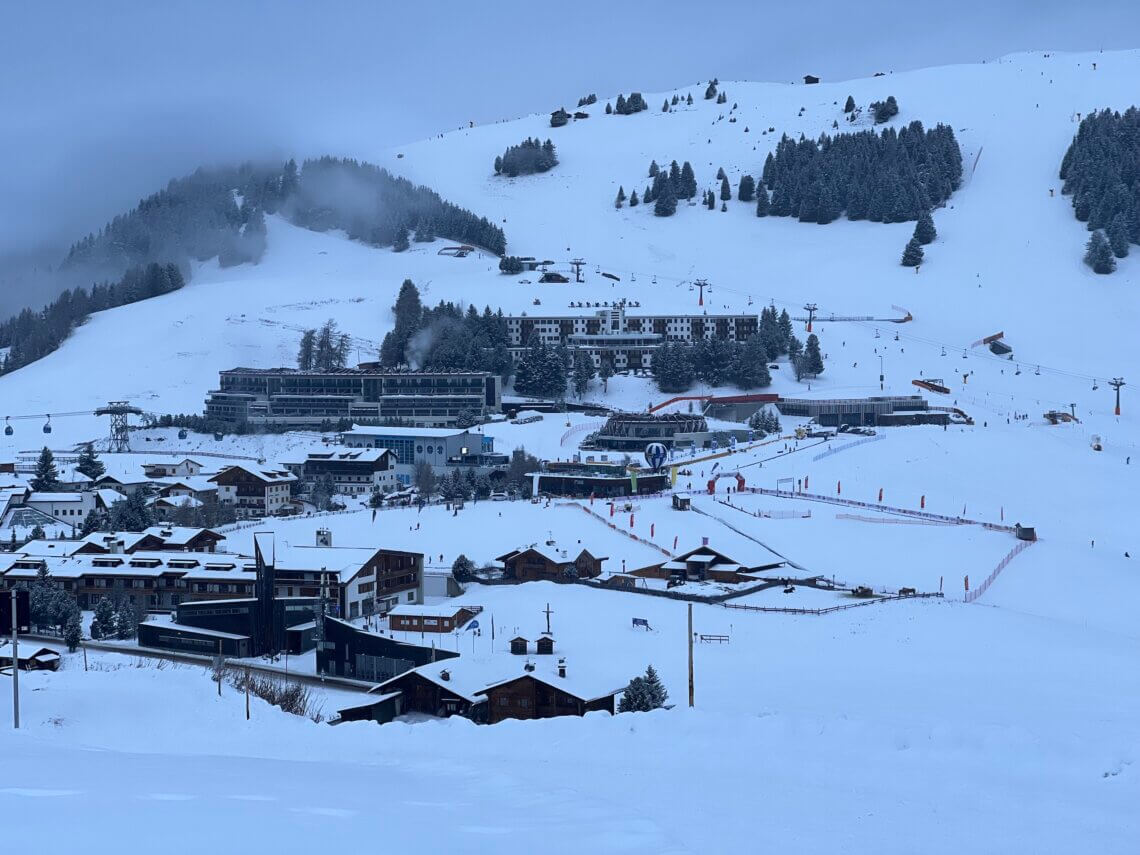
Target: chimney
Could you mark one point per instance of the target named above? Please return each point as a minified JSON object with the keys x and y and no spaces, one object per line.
{"x":529,"y":666}
{"x":115,"y":546}
{"x":445,"y":675}
{"x":324,"y":537}
{"x":704,"y":541}
{"x":562,"y":667}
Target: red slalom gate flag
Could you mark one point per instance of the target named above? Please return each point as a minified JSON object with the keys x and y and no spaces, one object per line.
{"x":967,"y":580}
{"x":631,"y":520}
{"x":922,"y":502}
{"x":838,"y":488}
{"x":652,"y":528}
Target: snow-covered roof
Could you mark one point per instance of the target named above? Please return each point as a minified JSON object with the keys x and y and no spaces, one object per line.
{"x":55,"y":497}
{"x":177,"y":502}
{"x":441,"y":610}
{"x":179,"y":535}
{"x":197,"y":483}
{"x":275,"y":476}
{"x":342,"y":561}
{"x":168,"y":620}
{"x":349,"y":455}
{"x":437,"y":433}
{"x":50,"y":547}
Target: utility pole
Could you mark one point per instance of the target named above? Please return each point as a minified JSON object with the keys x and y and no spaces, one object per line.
{"x":247,"y":693}
{"x":811,"y":309}
{"x":15,"y":665}
{"x":577,"y":265}
{"x":1073,"y":410}
{"x":691,"y":655}
{"x":880,"y":372}
{"x":702,"y":284}
{"x":1116,"y":383}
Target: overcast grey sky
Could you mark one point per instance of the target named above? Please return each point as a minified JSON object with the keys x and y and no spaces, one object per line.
{"x":103,"y":102}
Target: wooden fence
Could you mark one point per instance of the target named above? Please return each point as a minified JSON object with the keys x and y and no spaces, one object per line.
{"x":829,"y":609}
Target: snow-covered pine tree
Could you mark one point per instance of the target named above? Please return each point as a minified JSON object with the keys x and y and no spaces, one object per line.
{"x":665,"y":205}
{"x":747,"y":189}
{"x":46,"y":478}
{"x":924,"y":229}
{"x":912,"y":255}
{"x":73,"y":630}
{"x":655,"y":689}
{"x":633,"y":200}
{"x":89,"y":463}
{"x":1098,"y":254}
{"x":812,"y":355}
{"x":761,"y":201}
{"x":725,"y":190}
{"x":1117,"y":233}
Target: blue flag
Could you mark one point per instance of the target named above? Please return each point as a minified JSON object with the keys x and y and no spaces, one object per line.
{"x":473,"y":625}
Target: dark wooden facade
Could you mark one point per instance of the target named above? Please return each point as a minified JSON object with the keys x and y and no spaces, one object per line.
{"x":445,"y":620}
{"x":531,"y":565}
{"x":529,"y":697}
{"x":419,"y":694}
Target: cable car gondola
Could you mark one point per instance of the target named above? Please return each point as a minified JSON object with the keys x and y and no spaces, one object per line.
{"x":7,"y":426}
{"x":218,"y":437}
{"x":47,"y":425}
{"x":182,"y":433}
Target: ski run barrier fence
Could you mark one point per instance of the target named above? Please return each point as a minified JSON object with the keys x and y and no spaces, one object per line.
{"x":976,"y":594}
{"x":830,"y":609}
{"x":838,"y":448}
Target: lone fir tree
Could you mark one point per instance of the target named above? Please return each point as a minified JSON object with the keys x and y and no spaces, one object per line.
{"x":46,"y":479}
{"x":912,"y":255}
{"x":89,"y":463}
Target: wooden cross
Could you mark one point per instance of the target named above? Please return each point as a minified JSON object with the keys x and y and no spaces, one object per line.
{"x":548,"y":613}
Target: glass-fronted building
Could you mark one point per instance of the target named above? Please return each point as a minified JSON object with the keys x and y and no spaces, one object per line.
{"x":289,"y":397}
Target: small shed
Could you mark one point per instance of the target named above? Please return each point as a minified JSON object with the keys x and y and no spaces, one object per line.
{"x":681,"y":503}
{"x":810,"y":78}
{"x":1025,"y":532}
{"x":519,"y":646}
{"x":559,"y":118}
{"x":41,"y":659}
{"x":545,"y":645}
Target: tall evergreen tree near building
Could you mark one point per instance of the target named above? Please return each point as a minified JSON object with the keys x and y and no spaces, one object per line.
{"x":46,"y":478}
{"x":583,"y":372}
{"x":73,"y":631}
{"x":812,"y":356}
{"x":924,"y":229}
{"x":1098,"y":254}
{"x":643,"y":694}
{"x":307,"y":350}
{"x":747,"y":189}
{"x":103,"y":624}
{"x":89,"y":463}
{"x":912,"y":255}
{"x":784,"y":324}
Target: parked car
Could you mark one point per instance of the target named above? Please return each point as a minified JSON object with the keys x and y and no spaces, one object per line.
{"x":499,"y":496}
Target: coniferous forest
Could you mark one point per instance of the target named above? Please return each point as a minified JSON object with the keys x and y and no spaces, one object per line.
{"x":887,"y":177}
{"x":375,"y":207}
{"x":221,"y":213}
{"x":1101,"y":171}
{"x":526,"y":158}
{"x":31,"y":335}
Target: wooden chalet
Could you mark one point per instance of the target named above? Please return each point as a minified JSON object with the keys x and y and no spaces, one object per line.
{"x":707,"y":564}
{"x":548,"y":563}
{"x":443,"y":618}
{"x":531,"y":696}
{"x":31,"y":658}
